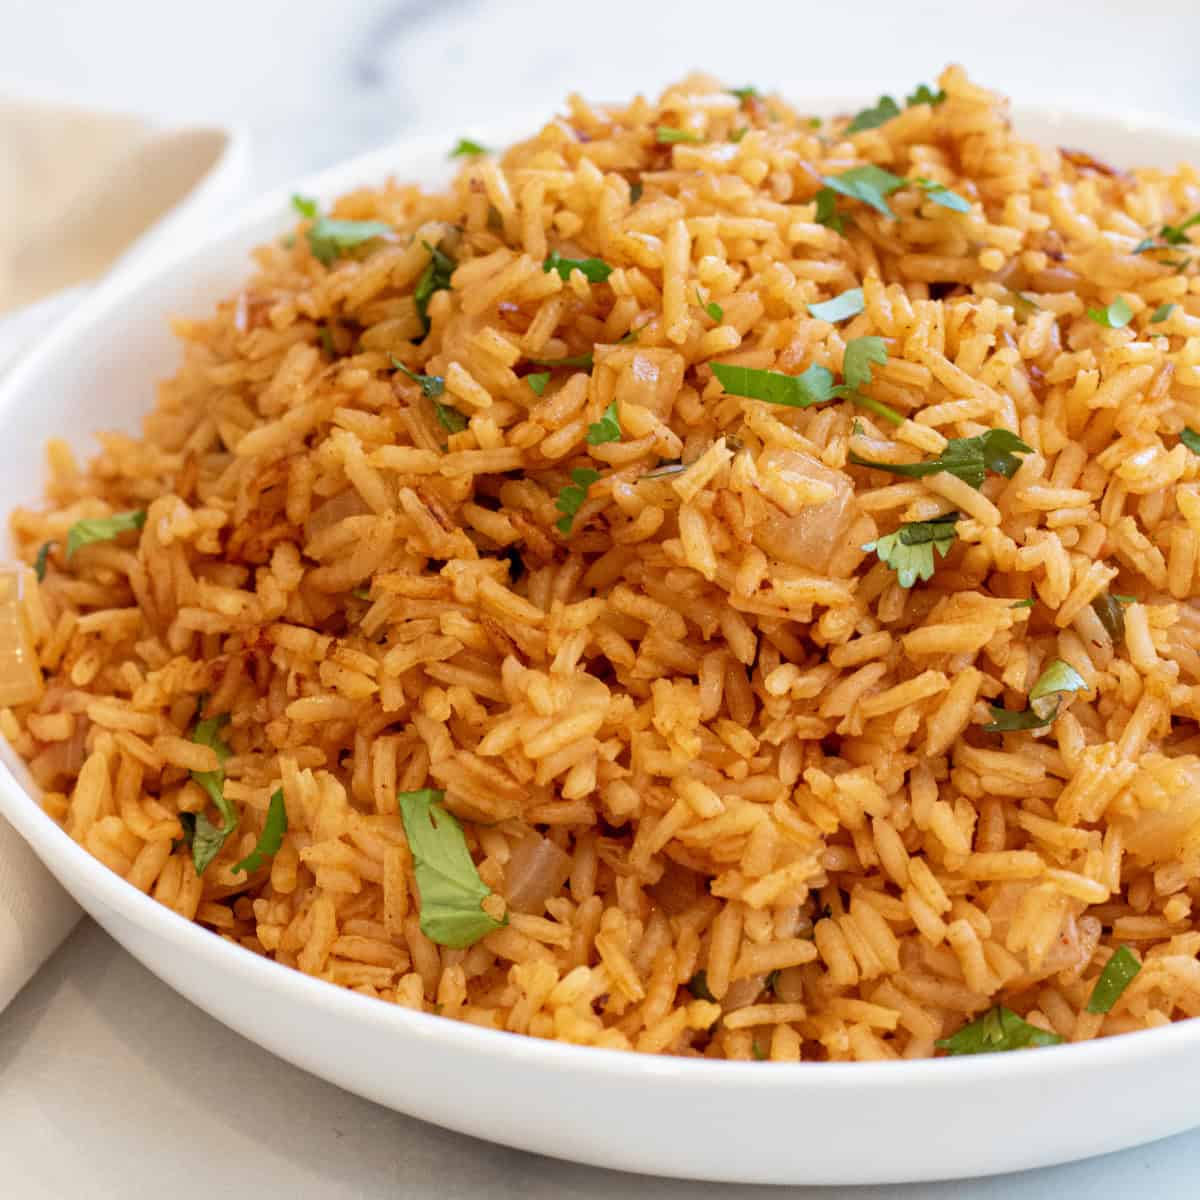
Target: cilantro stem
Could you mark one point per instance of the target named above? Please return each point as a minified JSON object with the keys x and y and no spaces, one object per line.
{"x":878,"y":408}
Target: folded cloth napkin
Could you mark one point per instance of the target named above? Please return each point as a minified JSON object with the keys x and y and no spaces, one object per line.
{"x":81,"y":194}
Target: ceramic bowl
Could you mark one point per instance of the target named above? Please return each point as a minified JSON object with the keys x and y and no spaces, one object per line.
{"x":744,"y":1122}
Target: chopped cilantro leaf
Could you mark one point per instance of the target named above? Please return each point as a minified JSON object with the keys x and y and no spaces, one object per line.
{"x":594,"y":270}
{"x":744,"y":93}
{"x":713,"y":309}
{"x":1111,"y":613}
{"x":871,"y":118}
{"x":206,"y":839}
{"x":578,"y":360}
{"x":607,"y":429}
{"x":848,"y":304}
{"x":1148,"y":244}
{"x":1117,"y":975}
{"x":664,"y":135}
{"x":449,"y":418}
{"x":635,"y":191}
{"x":467,"y":149}
{"x":1115,"y":316}
{"x":868,"y":183}
{"x":328,"y":238}
{"x":450,"y":889}
{"x":739,"y":133}
{"x":432,"y":386}
{"x":698,"y":986}
{"x":1161,"y":313}
{"x":998,"y":1029}
{"x":1028,"y":602}
{"x":435,"y":278}
{"x":813,"y":386}
{"x":538,"y":382}
{"x":924,"y":95}
{"x":759,"y":1054}
{"x":271,"y":838}
{"x":103,"y":529}
{"x":570,"y":499}
{"x":967,"y":458}
{"x":909,"y":551}
{"x":939,"y":193}
{"x":827,"y":211}
{"x":1191,"y":439}
{"x":39,"y":563}
{"x":860,"y":354}
{"x":1045,"y":699}
{"x":305,"y":206}
{"x":1176,"y":235}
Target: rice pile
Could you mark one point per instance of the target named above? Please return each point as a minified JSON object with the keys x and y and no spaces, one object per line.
{"x":723,"y":778}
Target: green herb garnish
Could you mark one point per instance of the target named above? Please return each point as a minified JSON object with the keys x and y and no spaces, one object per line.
{"x":607,"y":429}
{"x":103,"y":529}
{"x":1176,"y":235}
{"x":271,"y":838}
{"x":713,"y":309}
{"x":451,"y":892}
{"x":635,"y":191}
{"x":1115,"y":316}
{"x":204,"y":838}
{"x":1045,"y":699}
{"x":758,"y":1053}
{"x":848,"y":304}
{"x":886,"y":108}
{"x":538,"y":382}
{"x":467,"y":149}
{"x":594,"y":270}
{"x":812,"y":386}
{"x":570,"y":499}
{"x":698,"y":986}
{"x":744,"y":93}
{"x":909,"y":551}
{"x":306,"y":207}
{"x":1189,"y":437}
{"x":579,"y":360}
{"x":1022,"y":304}
{"x":871,"y":118}
{"x":998,"y":1029}
{"x":450,"y":419}
{"x":1111,"y":613}
{"x":325,"y":336}
{"x":1028,"y":602}
{"x":664,"y":135}
{"x":967,"y":458}
{"x":39,"y":563}
{"x":939,"y":193}
{"x":868,"y":183}
{"x":827,"y":211}
{"x":1161,"y":313}
{"x":738,"y":134}
{"x":925,"y":95}
{"x":435,"y":278}
{"x":329,"y":238}
{"x":432,"y":386}
{"x":1117,"y":975}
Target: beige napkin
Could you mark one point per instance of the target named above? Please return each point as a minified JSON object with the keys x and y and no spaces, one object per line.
{"x":82,"y":193}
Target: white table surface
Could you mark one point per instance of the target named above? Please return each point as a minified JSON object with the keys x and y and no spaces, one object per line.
{"x":110,"y":1084}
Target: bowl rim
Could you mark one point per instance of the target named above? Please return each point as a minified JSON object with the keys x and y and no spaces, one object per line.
{"x":69,"y":860}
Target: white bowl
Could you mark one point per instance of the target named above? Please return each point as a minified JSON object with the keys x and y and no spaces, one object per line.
{"x":745,"y":1122}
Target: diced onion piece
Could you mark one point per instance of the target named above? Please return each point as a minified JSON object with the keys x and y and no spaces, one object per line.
{"x":743,"y":992}
{"x":812,"y":538}
{"x":677,"y":890}
{"x":536,"y":871}
{"x":20,"y":674}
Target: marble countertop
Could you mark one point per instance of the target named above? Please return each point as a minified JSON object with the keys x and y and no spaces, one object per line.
{"x":110,"y":1084}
